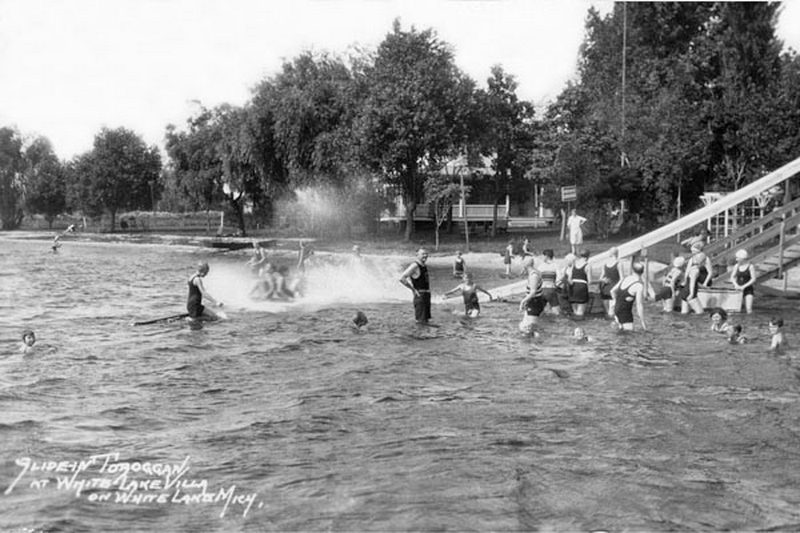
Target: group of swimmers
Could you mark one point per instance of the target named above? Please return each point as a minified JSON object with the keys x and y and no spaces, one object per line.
{"x":277,"y":283}
{"x":568,"y":287}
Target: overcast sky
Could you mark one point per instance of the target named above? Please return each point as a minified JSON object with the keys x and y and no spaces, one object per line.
{"x":70,"y":67}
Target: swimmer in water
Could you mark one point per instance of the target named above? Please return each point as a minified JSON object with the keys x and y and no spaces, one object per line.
{"x":28,"y":340}
{"x":719,"y":319}
{"x":359,"y":321}
{"x":776,"y":330}
{"x":736,"y":336}
{"x":579,"y":336}
{"x":56,"y":244}
{"x":194,"y":302}
{"x":469,"y":290}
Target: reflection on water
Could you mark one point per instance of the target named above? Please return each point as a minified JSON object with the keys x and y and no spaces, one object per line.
{"x":465,"y":426}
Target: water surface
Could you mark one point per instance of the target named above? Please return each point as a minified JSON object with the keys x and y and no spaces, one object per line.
{"x":467,"y":426}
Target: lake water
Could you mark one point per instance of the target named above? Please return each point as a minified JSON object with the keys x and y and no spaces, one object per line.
{"x":283,"y":418}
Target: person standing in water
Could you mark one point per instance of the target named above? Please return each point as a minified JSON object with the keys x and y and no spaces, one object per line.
{"x":743,"y":278}
{"x":612,"y":273}
{"x":579,"y":278}
{"x":533,"y":303}
{"x":459,"y":266}
{"x":194,"y":302}
{"x":415,"y":277}
{"x":469,"y":290}
{"x":629,"y":291}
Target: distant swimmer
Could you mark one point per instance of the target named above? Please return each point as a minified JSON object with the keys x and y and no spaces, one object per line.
{"x":56,"y":244}
{"x":459,"y":266}
{"x":70,"y":229}
{"x":629,"y":291}
{"x":579,"y":336}
{"x":360,"y":320}
{"x":28,"y":340}
{"x":415,"y":277}
{"x":719,"y":320}
{"x":194,"y":303}
{"x":469,"y":290}
{"x":736,"y":336}
{"x":776,"y":330}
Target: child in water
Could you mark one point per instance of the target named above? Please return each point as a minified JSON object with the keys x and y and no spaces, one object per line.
{"x":719,"y":320}
{"x":736,"y":336}
{"x":776,"y":330}
{"x":469,"y":290}
{"x":579,"y":336}
{"x":28,"y":340}
{"x":359,"y":321}
{"x":459,"y":267}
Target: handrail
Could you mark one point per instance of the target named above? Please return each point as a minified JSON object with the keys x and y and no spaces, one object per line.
{"x":673,"y":228}
{"x":692,"y":219}
{"x":713,"y":247}
{"x":766,"y":235}
{"x":759,"y":259}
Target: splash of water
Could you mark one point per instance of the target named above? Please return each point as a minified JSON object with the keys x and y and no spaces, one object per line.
{"x":328,"y":280}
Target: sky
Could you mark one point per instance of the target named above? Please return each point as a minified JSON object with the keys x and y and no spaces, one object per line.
{"x":71,"y":67}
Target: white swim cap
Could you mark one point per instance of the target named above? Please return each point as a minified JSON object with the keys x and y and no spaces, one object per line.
{"x":741,"y":254}
{"x":678,"y":262}
{"x":699,"y":258}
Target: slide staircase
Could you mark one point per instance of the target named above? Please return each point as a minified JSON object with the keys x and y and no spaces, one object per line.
{"x":687,"y":222}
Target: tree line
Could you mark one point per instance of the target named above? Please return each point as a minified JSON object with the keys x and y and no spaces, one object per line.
{"x":669,"y":100}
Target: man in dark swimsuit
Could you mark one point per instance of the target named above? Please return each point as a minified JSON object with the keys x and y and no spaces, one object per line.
{"x":415,"y":277}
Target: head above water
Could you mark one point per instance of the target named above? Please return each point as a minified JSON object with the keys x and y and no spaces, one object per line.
{"x":776,"y":322}
{"x":28,"y":337}
{"x":467,"y":276}
{"x":585,"y":253}
{"x":718,"y":314}
{"x":202,"y":268}
{"x":548,"y":253}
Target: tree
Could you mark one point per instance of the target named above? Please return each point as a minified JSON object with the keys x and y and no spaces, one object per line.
{"x":414,"y":111}
{"x":45,"y":181}
{"x":441,"y":193}
{"x":117,"y":173}
{"x":508,"y":136}
{"x":12,"y":165}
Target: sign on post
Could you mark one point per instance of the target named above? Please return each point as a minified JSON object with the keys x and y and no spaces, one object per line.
{"x":569,"y":193}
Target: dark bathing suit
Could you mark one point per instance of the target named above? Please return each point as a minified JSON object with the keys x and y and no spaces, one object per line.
{"x":535,"y":305}
{"x":612,"y":275}
{"x":742,"y":277}
{"x":422,"y":303}
{"x":194,"y":304}
{"x":580,"y":286}
{"x":623,"y":309}
{"x":471,"y":300}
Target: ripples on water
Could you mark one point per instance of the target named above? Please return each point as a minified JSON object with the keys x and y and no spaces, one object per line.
{"x":463,"y":427}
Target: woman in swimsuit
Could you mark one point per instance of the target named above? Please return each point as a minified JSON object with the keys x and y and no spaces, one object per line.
{"x":628,"y":292}
{"x":743,"y":278}
{"x":194,"y":302}
{"x":612,"y":273}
